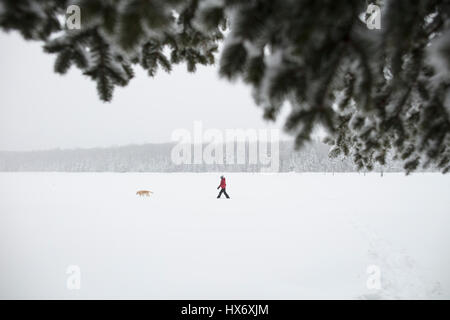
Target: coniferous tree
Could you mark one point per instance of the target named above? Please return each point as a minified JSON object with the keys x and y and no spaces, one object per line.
{"x":376,"y":92}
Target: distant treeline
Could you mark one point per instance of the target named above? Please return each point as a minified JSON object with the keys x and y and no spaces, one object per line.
{"x":157,"y":158}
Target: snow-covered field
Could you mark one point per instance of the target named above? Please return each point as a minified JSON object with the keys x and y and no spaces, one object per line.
{"x":280,"y":236}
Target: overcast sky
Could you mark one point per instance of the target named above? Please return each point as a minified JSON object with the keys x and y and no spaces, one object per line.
{"x":40,"y":109}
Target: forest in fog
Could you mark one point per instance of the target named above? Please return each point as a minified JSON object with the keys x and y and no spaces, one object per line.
{"x":157,"y":158}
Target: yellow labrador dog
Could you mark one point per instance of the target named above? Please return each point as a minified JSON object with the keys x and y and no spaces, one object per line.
{"x":142,"y":193}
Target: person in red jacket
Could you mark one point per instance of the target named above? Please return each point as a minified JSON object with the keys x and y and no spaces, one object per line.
{"x":223,"y":186}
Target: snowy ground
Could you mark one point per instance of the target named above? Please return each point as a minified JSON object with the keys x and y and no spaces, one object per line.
{"x":281,"y":236}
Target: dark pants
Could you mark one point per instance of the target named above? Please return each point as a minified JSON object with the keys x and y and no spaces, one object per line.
{"x":224,"y":192}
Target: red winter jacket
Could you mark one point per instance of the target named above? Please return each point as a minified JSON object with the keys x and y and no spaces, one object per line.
{"x":222,"y":183}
